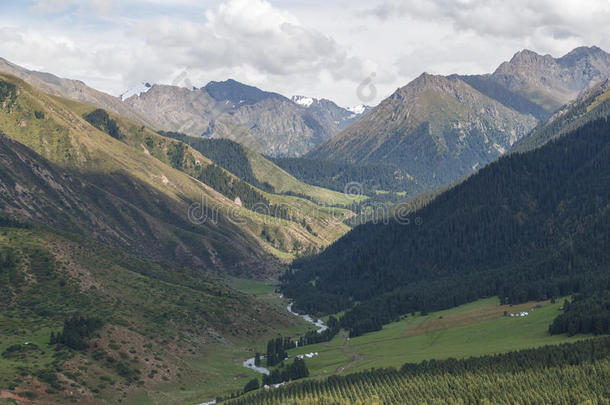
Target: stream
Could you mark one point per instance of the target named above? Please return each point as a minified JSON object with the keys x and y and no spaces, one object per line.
{"x":249,"y":363}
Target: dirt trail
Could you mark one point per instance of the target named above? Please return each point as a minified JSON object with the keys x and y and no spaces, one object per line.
{"x":473,"y":316}
{"x":356,"y":357}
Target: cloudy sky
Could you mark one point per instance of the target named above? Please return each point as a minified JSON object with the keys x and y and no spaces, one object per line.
{"x":330,"y":48}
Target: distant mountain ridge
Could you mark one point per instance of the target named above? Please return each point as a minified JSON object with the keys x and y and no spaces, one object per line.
{"x":439,"y":129}
{"x":264,"y":121}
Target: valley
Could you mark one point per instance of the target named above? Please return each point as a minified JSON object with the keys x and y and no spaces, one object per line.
{"x":182,"y":245}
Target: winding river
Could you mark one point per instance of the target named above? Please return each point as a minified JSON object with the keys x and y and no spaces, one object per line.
{"x":249,"y":363}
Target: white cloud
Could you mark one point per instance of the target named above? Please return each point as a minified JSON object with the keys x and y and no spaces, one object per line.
{"x":315,"y":47}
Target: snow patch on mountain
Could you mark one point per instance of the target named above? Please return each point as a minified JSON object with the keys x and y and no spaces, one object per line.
{"x":136,"y":90}
{"x":302,"y":100}
{"x":359,"y":109}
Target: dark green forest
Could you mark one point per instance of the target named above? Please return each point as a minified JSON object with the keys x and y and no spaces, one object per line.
{"x":336,"y":175}
{"x":530,"y":226}
{"x":101,"y":120}
{"x":225,"y":153}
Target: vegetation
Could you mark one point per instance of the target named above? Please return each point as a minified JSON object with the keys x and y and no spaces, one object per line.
{"x":251,"y":385}
{"x":101,"y":120}
{"x":148,"y":309}
{"x":77,"y":330}
{"x":589,"y":314}
{"x":8,"y":93}
{"x":529,"y":376}
{"x":527,"y":227}
{"x":296,"y":370}
{"x":225,"y":153}
{"x":337,"y":175}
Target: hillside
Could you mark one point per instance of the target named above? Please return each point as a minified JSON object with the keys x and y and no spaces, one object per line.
{"x":527,"y":227}
{"x":163,"y":173}
{"x":160,"y":325}
{"x":257,"y":170}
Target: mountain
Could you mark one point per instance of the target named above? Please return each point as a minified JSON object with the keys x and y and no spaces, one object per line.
{"x":590,"y":105}
{"x":73,"y":90}
{"x":436,"y":128}
{"x":440,"y":129}
{"x":328,"y":111}
{"x":135,"y":189}
{"x":527,"y":227}
{"x":552,"y":82}
{"x":238,"y":93}
{"x":265,"y":122}
{"x":135,"y":90}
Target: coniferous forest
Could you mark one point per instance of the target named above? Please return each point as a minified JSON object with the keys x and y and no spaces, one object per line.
{"x":530,"y":226}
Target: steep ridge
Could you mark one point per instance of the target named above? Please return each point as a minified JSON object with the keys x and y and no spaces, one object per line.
{"x":591,"y":105}
{"x":552,"y":82}
{"x":265,"y":122}
{"x":74,"y":90}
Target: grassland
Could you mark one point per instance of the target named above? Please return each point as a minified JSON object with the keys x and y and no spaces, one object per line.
{"x":469,"y":330}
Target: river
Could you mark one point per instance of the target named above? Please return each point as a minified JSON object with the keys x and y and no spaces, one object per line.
{"x":249,"y":363}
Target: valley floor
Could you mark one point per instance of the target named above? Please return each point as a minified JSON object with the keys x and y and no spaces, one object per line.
{"x":473,"y":329}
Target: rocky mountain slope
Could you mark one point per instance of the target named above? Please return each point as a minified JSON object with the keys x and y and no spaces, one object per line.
{"x":266,"y":122}
{"x":551,"y":82}
{"x":436,"y":128}
{"x":590,"y":105}
{"x":440,"y":129}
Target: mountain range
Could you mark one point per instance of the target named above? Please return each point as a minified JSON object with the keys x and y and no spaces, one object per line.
{"x":266,"y":122}
{"x":439,"y":129}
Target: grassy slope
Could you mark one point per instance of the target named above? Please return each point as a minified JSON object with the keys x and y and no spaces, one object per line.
{"x":66,"y":139}
{"x":192,"y":329}
{"x":326,"y":223}
{"x":469,"y":330}
{"x":283,"y":182}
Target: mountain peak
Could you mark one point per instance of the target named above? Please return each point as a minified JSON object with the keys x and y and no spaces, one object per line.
{"x":238,"y":93}
{"x":527,"y":56}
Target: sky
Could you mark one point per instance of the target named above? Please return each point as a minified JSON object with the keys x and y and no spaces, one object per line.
{"x":352,"y":52}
